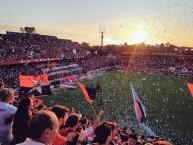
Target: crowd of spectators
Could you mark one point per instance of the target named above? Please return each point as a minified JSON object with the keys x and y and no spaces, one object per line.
{"x":22,"y":46}
{"x":58,"y":125}
{"x":157,"y":64}
{"x":96,"y":62}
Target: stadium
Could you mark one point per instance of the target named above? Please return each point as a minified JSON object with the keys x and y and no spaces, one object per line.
{"x":160,"y":86}
{"x":116,"y":72}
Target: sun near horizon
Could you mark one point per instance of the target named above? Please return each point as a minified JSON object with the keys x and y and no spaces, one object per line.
{"x":139,"y":36}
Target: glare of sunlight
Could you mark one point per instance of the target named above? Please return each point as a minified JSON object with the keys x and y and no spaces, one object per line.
{"x":139,"y":36}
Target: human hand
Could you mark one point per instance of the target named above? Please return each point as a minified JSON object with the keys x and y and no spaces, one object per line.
{"x":82,"y":135}
{"x":70,"y":136}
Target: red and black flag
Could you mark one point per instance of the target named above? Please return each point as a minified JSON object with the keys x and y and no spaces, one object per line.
{"x":89,"y":93}
{"x":190,"y":87}
{"x":37,"y":85}
{"x":140,"y":112}
{"x":141,"y":116}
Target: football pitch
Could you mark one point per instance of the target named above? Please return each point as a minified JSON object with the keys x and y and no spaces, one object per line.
{"x":169,"y":105}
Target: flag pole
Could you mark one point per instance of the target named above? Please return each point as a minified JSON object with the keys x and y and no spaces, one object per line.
{"x":93,"y":110}
{"x":139,"y":127}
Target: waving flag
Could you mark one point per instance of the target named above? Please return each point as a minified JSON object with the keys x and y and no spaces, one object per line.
{"x":32,"y":81}
{"x":42,"y":90}
{"x":140,"y":112}
{"x":89,"y":93}
{"x":190,"y":87}
{"x":37,"y":85}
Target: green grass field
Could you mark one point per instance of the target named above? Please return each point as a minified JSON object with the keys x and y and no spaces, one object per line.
{"x":167,"y":100}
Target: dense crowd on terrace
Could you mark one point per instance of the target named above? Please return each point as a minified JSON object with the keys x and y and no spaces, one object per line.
{"x":22,"y":46}
{"x":74,"y":127}
{"x":159,"y":64}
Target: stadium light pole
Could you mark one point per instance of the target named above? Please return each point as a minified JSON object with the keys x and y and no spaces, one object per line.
{"x":102,"y":31}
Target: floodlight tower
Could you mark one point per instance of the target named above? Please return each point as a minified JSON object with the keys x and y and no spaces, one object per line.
{"x":102,"y":31}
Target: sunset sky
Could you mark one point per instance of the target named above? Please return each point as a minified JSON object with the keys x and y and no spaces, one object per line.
{"x":131,"y":21}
